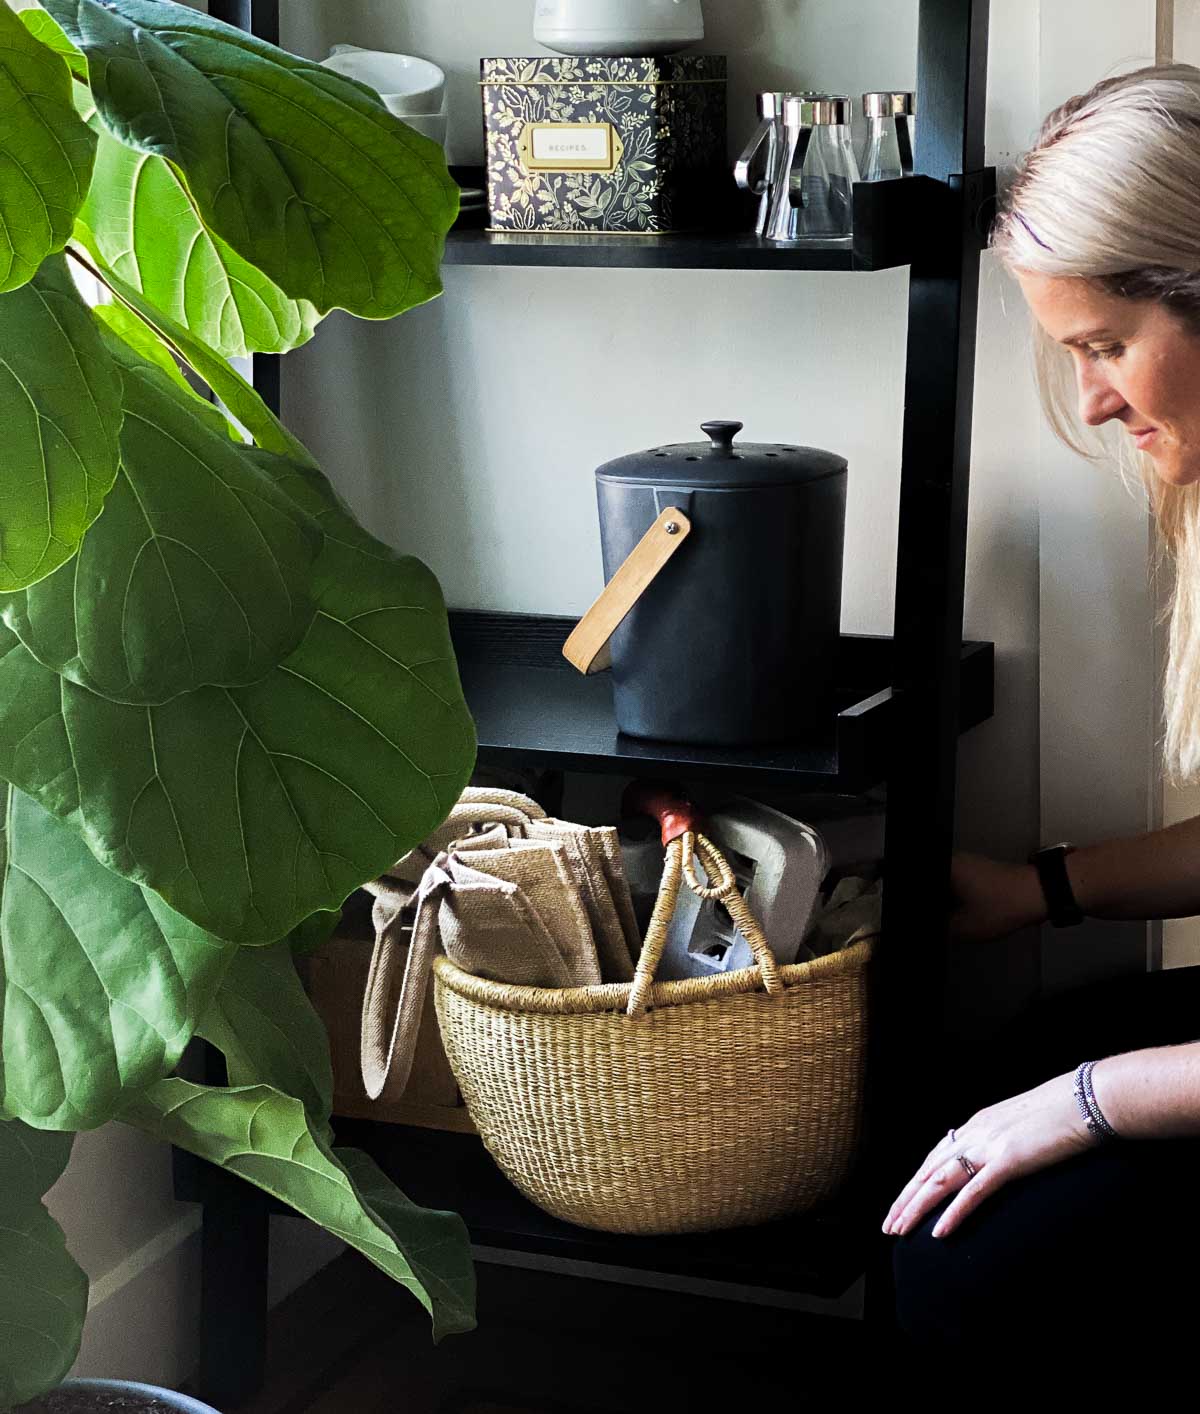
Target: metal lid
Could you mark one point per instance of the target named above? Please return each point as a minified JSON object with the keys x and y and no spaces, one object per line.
{"x":720,"y":464}
{"x":809,"y":110}
{"x":887,"y":105}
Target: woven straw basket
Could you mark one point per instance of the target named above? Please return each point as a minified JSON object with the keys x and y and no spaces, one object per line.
{"x":664,"y":1107}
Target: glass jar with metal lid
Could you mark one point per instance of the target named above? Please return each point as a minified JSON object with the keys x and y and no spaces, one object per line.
{"x":888,"y":152}
{"x":813,"y":193}
{"x":756,"y":169}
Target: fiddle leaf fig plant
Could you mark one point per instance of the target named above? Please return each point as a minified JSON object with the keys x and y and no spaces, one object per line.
{"x":224,"y":705}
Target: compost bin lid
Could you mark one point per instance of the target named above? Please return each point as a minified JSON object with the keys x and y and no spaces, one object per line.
{"x":723,"y":464}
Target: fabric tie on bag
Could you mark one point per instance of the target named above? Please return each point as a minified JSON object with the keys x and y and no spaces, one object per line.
{"x":395,"y":991}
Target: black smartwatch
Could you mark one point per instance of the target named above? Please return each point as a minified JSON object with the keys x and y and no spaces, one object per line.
{"x":1051,"y":864}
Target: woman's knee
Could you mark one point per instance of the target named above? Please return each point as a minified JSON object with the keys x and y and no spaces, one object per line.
{"x":933,"y":1280}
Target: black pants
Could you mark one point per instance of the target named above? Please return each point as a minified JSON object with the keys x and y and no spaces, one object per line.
{"x":1095,"y":1259}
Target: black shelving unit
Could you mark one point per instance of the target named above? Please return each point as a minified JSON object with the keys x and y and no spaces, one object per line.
{"x":902,"y":703}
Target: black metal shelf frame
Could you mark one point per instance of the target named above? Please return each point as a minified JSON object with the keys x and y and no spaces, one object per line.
{"x":930,"y":686}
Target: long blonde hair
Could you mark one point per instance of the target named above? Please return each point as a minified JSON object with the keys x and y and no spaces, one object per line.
{"x":1110,"y":192}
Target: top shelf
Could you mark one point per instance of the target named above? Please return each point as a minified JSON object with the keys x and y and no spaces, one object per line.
{"x":702,"y":251}
{"x":889,"y":219}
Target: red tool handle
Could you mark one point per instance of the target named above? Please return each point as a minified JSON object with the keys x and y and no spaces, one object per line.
{"x":669,"y":806}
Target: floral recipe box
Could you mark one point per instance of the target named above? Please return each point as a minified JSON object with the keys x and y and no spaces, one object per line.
{"x":633,"y":146}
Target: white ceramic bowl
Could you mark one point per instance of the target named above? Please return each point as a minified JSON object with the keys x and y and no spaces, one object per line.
{"x":405,"y":83}
{"x":618,"y":26}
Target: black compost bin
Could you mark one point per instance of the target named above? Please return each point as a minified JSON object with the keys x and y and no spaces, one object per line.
{"x":734,"y":642}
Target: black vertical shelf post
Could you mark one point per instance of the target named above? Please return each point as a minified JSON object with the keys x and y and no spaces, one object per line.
{"x":909,"y":1022}
{"x":235,"y":1223}
{"x":257,"y":17}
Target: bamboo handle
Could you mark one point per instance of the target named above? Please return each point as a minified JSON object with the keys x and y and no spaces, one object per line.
{"x":586,"y":648}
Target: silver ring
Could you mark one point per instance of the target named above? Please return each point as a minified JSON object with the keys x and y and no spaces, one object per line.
{"x":968,"y":1166}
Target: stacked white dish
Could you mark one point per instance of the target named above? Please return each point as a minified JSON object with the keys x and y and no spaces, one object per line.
{"x":411,"y":88}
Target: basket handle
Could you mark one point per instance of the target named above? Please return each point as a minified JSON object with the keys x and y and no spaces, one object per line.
{"x":678,"y":866}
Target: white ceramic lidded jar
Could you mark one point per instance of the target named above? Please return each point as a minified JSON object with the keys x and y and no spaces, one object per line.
{"x":624,"y":27}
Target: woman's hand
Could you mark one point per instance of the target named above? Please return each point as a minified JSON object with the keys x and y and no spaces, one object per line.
{"x":992,"y":898}
{"x":1017,"y":1136}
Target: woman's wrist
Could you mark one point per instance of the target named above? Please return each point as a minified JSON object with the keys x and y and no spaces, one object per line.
{"x":1092,"y":1112}
{"x":1080,"y":877}
{"x":1031,"y":900}
{"x":1151,"y":1094}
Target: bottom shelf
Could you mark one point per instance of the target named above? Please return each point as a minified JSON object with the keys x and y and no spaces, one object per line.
{"x":820,"y":1254}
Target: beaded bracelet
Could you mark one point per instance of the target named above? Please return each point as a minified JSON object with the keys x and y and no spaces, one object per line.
{"x":1089,"y":1107}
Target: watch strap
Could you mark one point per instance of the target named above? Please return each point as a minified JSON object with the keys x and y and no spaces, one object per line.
{"x":1062,"y":908}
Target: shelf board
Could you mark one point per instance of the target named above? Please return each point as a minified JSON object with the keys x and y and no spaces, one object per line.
{"x":820,"y":1254}
{"x":889,"y":218}
{"x":529,"y":704}
{"x":735,"y":251}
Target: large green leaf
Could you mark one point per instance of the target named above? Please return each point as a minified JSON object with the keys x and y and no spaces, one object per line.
{"x":119,"y":322}
{"x":234,"y":392}
{"x":265,"y":1138}
{"x":43,"y":1292}
{"x":441,"y":1260}
{"x":49,"y":32}
{"x":60,"y":409}
{"x":269,"y":1032}
{"x":303,"y":172}
{"x":251,"y":808}
{"x":198,"y":571}
{"x":314,"y":932}
{"x":46,"y":153}
{"x":142,"y":222}
{"x":102,"y":984}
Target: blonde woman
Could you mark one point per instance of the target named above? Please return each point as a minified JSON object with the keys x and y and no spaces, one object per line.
{"x":1064,"y":1211}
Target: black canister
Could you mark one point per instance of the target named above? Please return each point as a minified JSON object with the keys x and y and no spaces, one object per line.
{"x":734,"y":641}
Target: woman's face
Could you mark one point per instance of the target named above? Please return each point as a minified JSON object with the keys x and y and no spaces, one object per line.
{"x":1135,"y":363}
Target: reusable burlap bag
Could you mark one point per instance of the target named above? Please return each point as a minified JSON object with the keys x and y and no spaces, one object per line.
{"x":507,"y":893}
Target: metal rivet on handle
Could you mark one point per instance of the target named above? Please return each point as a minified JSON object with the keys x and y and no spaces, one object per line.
{"x":672,"y":527}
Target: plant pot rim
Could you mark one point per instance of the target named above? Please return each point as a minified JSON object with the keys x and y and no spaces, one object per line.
{"x":183,"y":1403}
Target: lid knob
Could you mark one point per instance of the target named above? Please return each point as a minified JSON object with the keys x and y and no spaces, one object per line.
{"x":722,"y":434}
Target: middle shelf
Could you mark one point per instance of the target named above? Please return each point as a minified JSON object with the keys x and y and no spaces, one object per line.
{"x":529,"y":703}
